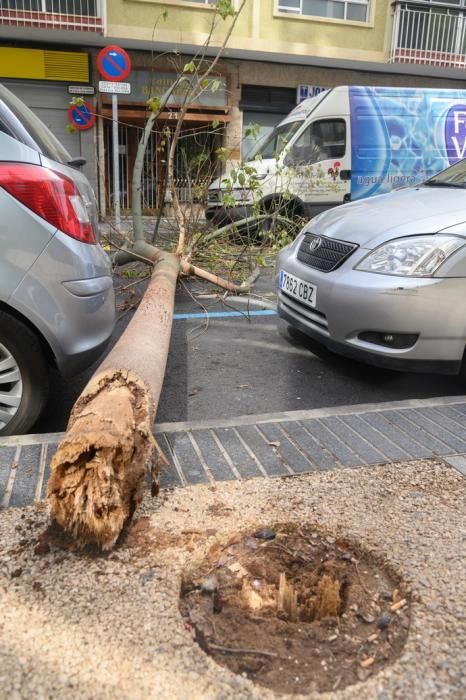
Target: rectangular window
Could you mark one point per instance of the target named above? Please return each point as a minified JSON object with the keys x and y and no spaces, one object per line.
{"x":67,"y":7}
{"x":356,"y":10}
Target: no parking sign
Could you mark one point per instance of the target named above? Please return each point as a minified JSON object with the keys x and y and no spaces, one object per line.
{"x":81,"y":116}
{"x":113,"y":63}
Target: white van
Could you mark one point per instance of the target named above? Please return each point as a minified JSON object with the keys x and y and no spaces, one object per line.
{"x":345,"y":144}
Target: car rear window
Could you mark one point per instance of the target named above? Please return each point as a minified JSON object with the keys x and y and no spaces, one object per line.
{"x":27,"y":127}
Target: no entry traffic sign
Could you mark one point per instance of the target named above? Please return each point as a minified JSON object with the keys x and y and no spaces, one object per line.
{"x":113,"y":63}
{"x":81,"y":116}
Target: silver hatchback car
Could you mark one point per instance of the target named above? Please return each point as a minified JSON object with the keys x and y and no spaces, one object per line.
{"x":383,"y":280}
{"x":56,"y":291}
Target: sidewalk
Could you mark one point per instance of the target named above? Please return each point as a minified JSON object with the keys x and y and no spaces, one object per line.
{"x":83,"y":626}
{"x":269,"y":445}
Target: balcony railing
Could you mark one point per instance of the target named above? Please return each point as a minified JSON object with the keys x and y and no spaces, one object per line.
{"x":71,"y":15}
{"x":429,"y":35}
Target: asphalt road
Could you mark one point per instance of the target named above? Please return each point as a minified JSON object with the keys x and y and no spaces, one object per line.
{"x":222,"y":366}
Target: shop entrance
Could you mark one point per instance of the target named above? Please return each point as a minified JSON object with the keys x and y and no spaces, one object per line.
{"x":195,"y":162}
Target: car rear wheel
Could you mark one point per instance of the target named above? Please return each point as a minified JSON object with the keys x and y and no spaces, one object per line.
{"x":24,"y":377}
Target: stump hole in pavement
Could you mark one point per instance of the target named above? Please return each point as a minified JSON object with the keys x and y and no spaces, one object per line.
{"x":295,"y":610}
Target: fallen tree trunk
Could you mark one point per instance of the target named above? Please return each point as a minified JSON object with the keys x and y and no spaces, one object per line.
{"x":98,"y":471}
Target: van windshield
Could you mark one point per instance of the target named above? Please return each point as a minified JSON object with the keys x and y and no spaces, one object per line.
{"x":276,"y":141}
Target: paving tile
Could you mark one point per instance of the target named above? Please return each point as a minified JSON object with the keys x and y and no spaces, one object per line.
{"x":26,"y":476}
{"x":315,"y":451}
{"x":381,"y":421}
{"x":213,"y":455}
{"x":340,"y":426}
{"x":343,"y":454}
{"x":267,"y":454}
{"x":245,"y":465}
{"x":293,"y":458}
{"x":186,"y":458}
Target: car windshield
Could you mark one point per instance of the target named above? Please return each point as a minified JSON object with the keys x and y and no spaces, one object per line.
{"x":48,"y":144}
{"x":454,"y":176}
{"x":276,"y":141}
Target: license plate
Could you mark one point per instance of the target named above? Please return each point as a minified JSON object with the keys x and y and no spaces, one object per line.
{"x":295,"y":287}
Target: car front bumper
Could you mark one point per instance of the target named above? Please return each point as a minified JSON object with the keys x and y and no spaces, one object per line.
{"x":351,"y":302}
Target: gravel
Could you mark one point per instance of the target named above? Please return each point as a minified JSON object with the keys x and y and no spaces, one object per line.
{"x":83,"y":625}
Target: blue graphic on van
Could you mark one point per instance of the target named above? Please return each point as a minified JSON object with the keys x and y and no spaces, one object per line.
{"x":455,"y":133}
{"x":400,"y":138}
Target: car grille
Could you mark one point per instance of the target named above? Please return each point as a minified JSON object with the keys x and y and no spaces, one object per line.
{"x":324,"y":254}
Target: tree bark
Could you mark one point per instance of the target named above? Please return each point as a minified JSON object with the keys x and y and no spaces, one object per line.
{"x":98,"y":471}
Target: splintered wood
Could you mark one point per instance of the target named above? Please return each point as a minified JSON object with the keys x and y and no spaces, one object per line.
{"x":97,"y":473}
{"x":287,"y":603}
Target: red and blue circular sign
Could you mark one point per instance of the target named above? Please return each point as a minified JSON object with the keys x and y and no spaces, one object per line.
{"x":113,"y":63}
{"x":81,"y":116}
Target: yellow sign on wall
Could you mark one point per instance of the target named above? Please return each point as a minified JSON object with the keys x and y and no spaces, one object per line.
{"x":40,"y":64}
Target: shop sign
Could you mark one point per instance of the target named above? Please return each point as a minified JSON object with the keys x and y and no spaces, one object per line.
{"x":305,"y":91}
{"x":147,"y":84}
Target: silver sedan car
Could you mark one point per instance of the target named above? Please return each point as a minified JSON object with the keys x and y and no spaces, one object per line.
{"x":383,"y":280}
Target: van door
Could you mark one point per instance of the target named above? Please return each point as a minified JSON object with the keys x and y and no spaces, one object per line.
{"x":317,"y":165}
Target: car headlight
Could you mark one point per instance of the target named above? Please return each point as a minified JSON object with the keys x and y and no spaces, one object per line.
{"x":416,"y":256}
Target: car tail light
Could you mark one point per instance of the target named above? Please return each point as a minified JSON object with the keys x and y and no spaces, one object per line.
{"x":50,"y":195}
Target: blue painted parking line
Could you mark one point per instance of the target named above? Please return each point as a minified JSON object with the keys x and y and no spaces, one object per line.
{"x":224,"y":314}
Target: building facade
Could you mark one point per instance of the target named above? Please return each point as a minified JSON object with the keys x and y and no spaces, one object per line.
{"x":279,"y":51}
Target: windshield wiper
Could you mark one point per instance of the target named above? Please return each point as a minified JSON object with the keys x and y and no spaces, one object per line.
{"x":441,"y":183}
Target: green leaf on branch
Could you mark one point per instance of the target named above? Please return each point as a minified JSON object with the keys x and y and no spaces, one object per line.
{"x":215,"y":85}
{"x":215,"y":124}
{"x":70,"y":128}
{"x":222,"y":154}
{"x":154,"y":104}
{"x":225,"y":9}
{"x":189,"y":67}
{"x":77,"y":101}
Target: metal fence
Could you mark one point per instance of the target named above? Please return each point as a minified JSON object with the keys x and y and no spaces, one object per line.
{"x":76,"y":15}
{"x":194,"y":165}
{"x":433,"y":36}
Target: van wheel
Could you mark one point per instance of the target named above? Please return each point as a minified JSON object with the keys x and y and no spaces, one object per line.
{"x":24,"y":377}
{"x":291,"y":210}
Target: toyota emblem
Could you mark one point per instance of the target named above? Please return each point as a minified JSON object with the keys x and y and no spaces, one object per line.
{"x":315,"y":243}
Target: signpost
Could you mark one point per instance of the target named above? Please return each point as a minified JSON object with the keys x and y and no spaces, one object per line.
{"x":114,"y":65}
{"x":81,"y":116}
